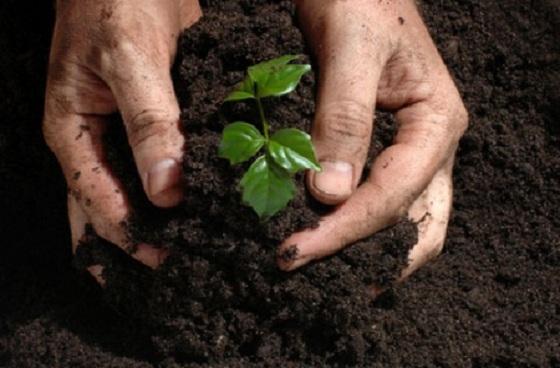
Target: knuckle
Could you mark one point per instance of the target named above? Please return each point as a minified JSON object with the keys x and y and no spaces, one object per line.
{"x":126,"y":47}
{"x":55,"y":138}
{"x":107,"y":56}
{"x":456,"y":122}
{"x":113,"y":46}
{"x":98,"y":59}
{"x":346,"y":122}
{"x":149,"y":123}
{"x":453,"y":122}
{"x":462,"y":119}
{"x":56,"y":103}
{"x":118,"y":51}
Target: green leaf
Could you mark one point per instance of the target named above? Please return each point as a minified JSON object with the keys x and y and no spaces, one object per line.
{"x":243,"y":91}
{"x":267,"y":188}
{"x":283,"y":81}
{"x":279,"y":61}
{"x":260,"y":72}
{"x":238,"y":96}
{"x":240,"y":142}
{"x":277,"y":77}
{"x":292,"y":149}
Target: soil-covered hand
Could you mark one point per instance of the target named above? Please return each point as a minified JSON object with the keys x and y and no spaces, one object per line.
{"x":110,"y":55}
{"x":378,"y":53}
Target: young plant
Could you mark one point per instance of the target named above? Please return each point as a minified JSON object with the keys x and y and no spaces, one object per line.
{"x":268,"y":184}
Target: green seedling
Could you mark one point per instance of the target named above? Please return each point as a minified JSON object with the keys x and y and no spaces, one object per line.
{"x":268,"y":184}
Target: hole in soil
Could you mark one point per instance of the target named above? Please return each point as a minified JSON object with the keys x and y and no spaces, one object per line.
{"x":507,"y":280}
{"x":206,"y":44}
{"x":318,"y":340}
{"x":387,"y":300}
{"x":496,"y":63}
{"x":249,"y":348}
{"x":234,"y":60}
{"x":4,"y":355}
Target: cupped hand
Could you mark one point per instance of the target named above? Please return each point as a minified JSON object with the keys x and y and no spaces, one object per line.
{"x":374,"y":53}
{"x":108,"y":56}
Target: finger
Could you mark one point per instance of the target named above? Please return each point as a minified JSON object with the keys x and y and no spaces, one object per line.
{"x":144,"y":253}
{"x":77,"y":142}
{"x":431,"y":212}
{"x":145,"y":96}
{"x":350,"y":63}
{"x":424,"y":142}
{"x":78,"y":221}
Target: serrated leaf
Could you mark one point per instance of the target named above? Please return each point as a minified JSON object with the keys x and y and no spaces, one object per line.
{"x":243,"y":91}
{"x":240,"y":142}
{"x":292,"y":149}
{"x":267,"y":188}
{"x":276,"y":77}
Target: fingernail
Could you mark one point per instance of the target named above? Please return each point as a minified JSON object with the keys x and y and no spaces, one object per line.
{"x":163,"y":176}
{"x":335,"y":178}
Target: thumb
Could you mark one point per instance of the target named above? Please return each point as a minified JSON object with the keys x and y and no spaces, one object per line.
{"x":145,"y":96}
{"x":350,"y":67}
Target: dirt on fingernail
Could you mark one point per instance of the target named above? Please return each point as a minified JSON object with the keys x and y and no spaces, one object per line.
{"x":289,"y":254}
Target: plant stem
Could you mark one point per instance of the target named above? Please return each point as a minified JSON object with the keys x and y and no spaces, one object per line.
{"x":263,"y":119}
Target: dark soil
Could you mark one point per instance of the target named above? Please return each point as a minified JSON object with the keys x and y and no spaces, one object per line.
{"x":491,"y":299}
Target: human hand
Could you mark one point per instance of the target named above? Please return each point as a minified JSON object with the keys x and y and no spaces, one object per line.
{"x":110,"y":55}
{"x":378,"y":53}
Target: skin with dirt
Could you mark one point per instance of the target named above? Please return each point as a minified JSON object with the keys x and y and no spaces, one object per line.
{"x":489,"y":300}
{"x":220,"y":298}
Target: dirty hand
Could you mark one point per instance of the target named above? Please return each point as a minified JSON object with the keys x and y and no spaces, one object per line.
{"x":110,"y":55}
{"x":373,"y":53}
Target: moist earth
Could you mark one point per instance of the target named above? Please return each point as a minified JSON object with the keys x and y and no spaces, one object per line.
{"x":491,"y":299}
{"x":220,"y":299}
